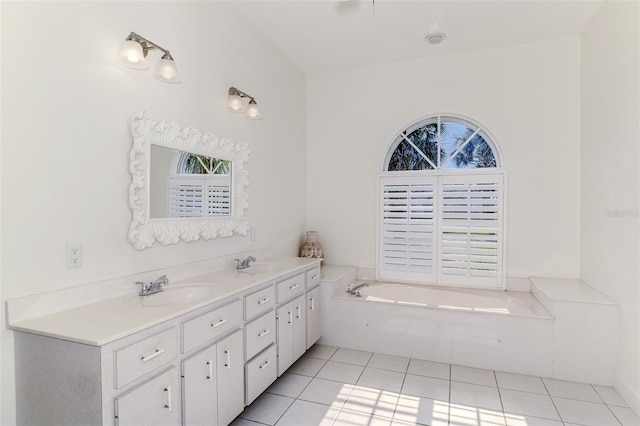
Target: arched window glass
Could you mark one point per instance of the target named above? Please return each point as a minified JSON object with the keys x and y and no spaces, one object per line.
{"x":193,"y":164}
{"x":442,"y":142}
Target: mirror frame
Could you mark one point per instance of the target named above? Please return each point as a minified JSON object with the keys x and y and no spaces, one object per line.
{"x":144,"y":231}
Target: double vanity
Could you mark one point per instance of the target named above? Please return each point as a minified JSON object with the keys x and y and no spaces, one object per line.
{"x":195,"y":353}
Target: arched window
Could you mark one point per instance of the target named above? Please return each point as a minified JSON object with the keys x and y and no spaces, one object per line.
{"x":442,"y":142}
{"x":441,"y":209}
{"x":201,"y":187}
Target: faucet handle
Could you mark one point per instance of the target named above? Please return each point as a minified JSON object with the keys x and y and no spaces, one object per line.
{"x":145,"y":288}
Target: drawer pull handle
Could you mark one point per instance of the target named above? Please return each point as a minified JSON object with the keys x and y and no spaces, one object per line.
{"x":219,"y":323}
{"x":263,"y":301}
{"x":264,"y":333}
{"x":298,"y":312}
{"x":210,"y":375}
{"x":290,"y":317}
{"x":228,"y":362}
{"x":155,"y":354}
{"x":313,"y":277}
{"x":168,"y":404}
{"x":264,"y":365}
{"x":293,"y":287}
{"x":313,"y":305}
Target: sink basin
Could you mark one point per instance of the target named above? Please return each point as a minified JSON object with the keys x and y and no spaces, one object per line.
{"x":263,"y":267}
{"x":181,"y":294}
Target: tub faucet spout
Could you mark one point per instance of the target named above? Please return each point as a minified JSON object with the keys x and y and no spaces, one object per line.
{"x":356,"y":291}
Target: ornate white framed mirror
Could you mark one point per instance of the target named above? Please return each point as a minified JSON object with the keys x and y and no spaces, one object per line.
{"x":185,"y":184}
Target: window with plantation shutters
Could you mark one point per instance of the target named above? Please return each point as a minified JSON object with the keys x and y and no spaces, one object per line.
{"x":407,"y":226}
{"x":204,"y":196}
{"x":441,"y":206}
{"x":470,"y":230}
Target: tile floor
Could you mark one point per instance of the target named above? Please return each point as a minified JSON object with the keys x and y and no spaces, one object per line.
{"x":338,"y":386}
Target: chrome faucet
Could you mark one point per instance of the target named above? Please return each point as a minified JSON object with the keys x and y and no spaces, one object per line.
{"x":152,"y":287}
{"x":356,"y":291}
{"x":244,"y":263}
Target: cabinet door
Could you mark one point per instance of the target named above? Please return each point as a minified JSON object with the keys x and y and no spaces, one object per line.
{"x":200,"y":390}
{"x":299,"y":327}
{"x":284,"y":319}
{"x":156,"y":402}
{"x":230,"y":359}
{"x":314,"y":318}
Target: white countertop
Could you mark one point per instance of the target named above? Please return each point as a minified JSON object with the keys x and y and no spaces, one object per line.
{"x":569,"y":290}
{"x":108,"y":320}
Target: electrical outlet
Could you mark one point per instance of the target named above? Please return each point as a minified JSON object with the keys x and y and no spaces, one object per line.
{"x":74,"y":256}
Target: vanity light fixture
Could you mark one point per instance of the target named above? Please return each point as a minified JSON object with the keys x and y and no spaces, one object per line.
{"x":133,"y":54}
{"x":236,"y":103}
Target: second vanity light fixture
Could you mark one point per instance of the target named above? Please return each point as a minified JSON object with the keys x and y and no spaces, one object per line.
{"x":133,"y":54}
{"x":236,"y":103}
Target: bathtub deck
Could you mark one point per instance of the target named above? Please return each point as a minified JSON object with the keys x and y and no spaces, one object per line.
{"x":495,"y":302}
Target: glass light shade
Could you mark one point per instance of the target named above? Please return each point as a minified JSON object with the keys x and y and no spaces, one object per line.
{"x":253,"y":111}
{"x":132,"y":55}
{"x":167,"y":71}
{"x":235,"y":103}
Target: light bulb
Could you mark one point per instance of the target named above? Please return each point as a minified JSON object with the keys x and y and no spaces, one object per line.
{"x":235,"y":103}
{"x":167,"y":71}
{"x":253,"y":111}
{"x":132,"y":55}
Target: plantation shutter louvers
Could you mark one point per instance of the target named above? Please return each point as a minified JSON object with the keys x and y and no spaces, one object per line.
{"x":407,"y":229}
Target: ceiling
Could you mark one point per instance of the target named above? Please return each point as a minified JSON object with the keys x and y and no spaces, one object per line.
{"x":327,"y":35}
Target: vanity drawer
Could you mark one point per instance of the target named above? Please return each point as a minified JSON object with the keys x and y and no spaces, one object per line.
{"x":259,"y":302}
{"x":208,"y":326}
{"x":313,"y":277}
{"x":260,"y":373}
{"x":260,"y":333}
{"x":290,"y":287}
{"x":144,"y":356}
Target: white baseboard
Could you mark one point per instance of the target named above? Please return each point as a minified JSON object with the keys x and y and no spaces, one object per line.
{"x":626,"y":391}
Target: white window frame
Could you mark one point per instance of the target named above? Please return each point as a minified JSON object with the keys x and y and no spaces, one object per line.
{"x":475,"y":259}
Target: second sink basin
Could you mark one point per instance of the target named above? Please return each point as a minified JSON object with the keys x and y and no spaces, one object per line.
{"x":181,"y":294}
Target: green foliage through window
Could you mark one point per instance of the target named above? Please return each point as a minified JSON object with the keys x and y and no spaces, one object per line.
{"x":442,"y":143}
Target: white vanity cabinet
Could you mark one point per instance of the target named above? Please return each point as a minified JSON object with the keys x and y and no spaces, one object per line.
{"x":314,"y":316}
{"x":200,"y":388}
{"x":260,"y":339}
{"x":156,"y":402}
{"x":291,"y":324}
{"x":194,"y":367}
{"x":212,"y":381}
{"x":230,"y":378}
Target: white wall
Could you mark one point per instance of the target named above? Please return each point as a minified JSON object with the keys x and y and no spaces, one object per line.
{"x":65,"y":140}
{"x":610,"y":190}
{"x":528,"y":96}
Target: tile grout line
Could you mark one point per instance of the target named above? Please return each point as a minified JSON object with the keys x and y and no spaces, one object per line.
{"x":552,"y":401}
{"x":504,"y":415}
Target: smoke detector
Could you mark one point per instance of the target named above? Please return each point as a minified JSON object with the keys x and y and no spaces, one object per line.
{"x":435,"y":38}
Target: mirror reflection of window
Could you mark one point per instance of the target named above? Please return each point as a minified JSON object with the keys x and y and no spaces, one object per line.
{"x":184,"y":184}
